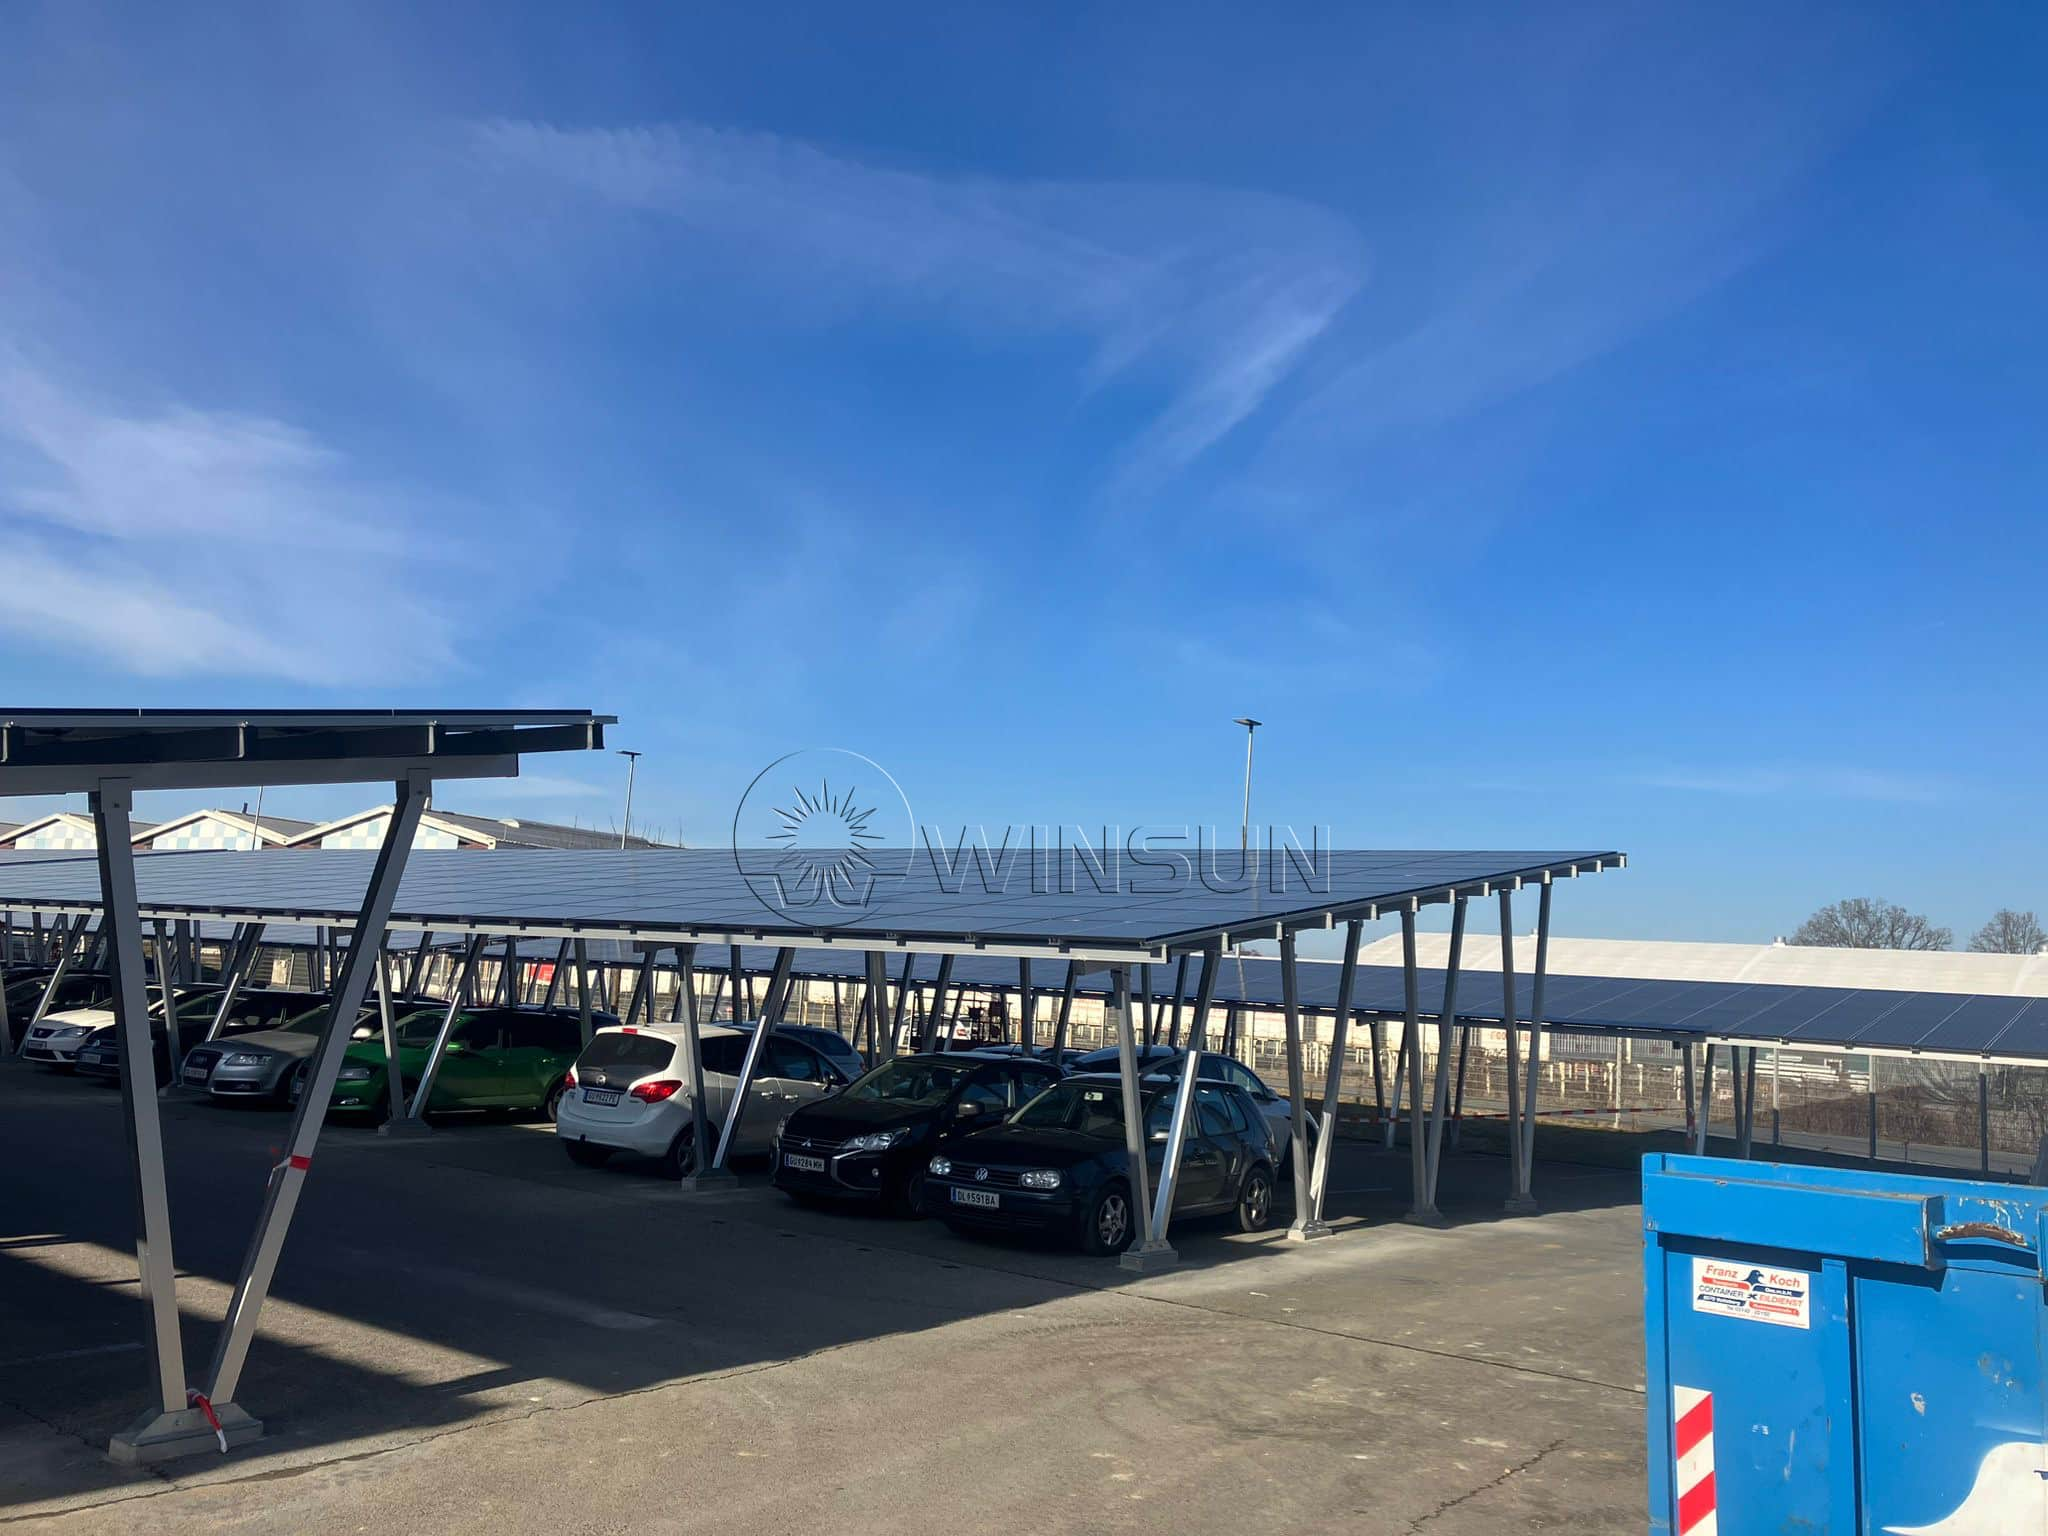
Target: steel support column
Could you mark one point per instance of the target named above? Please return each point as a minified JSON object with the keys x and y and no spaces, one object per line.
{"x":1508,"y":1022}
{"x":64,"y":929}
{"x":1983,"y":1118}
{"x":1746,"y":1132}
{"x":186,"y":1429}
{"x":1458,"y":1095}
{"x":1524,"y":1199}
{"x":416,"y":968}
{"x":1420,"y":1208}
{"x":394,"y":1072}
{"x":166,"y":1420}
{"x":1440,"y":1094}
{"x":1298,"y":1150}
{"x":699,"y":1177}
{"x":1059,"y":1028}
{"x":1180,"y":991}
{"x":1706,"y":1114}
{"x":1134,"y":1112}
{"x":641,"y":1009}
{"x":1333,"y":1079}
{"x":581,"y":949}
{"x":556,"y":973}
{"x":1027,"y":1008}
{"x":938,"y":1003}
{"x":242,"y":958}
{"x":778,"y":990}
{"x":168,"y":986}
{"x":1156,"y":1252}
{"x":902,"y":1003}
{"x":415,"y":1121}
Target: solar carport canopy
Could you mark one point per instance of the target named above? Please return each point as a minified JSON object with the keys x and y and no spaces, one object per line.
{"x":1110,"y":907}
{"x":1968,"y":1026}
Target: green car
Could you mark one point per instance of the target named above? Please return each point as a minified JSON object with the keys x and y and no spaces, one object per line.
{"x":496,"y":1058}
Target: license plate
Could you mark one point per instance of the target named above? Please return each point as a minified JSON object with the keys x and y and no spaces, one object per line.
{"x":600,"y":1095}
{"x":982,"y":1197}
{"x":803,"y":1164}
{"x":195,"y":1076}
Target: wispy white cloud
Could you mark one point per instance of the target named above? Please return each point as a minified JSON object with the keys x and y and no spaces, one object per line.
{"x":1209,"y":298}
{"x":175,"y":541}
{"x":1809,"y":781}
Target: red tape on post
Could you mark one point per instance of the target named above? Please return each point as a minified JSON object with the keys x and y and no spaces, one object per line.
{"x":198,"y":1400}
{"x":300,"y":1163}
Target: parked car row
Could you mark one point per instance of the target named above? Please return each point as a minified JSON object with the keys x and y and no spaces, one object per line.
{"x":983,"y":1139}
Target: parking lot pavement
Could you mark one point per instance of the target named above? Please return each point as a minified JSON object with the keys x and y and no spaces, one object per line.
{"x":470,"y":1333}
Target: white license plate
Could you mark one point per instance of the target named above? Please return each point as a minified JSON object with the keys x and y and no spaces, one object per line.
{"x":803,"y":1164}
{"x":982,"y":1197}
{"x":600,"y":1095}
{"x":195,"y":1076}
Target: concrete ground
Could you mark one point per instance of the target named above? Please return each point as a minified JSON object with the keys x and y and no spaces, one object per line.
{"x":470,"y":1334}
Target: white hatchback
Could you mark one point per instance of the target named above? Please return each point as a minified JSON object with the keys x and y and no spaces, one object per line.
{"x":630,"y":1091}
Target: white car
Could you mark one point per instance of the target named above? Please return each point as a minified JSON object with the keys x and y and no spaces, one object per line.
{"x":55,"y":1041}
{"x":630,"y":1090}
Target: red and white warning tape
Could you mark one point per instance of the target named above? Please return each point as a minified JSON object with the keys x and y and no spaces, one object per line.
{"x":198,"y":1400}
{"x":1693,"y":1450}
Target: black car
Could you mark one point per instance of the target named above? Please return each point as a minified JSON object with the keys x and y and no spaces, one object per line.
{"x":874,"y":1139}
{"x":1108,"y":1058}
{"x":1059,"y":1165}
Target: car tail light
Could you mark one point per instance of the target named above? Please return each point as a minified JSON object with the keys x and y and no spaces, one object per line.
{"x":570,"y":1080}
{"x":654,"y":1092}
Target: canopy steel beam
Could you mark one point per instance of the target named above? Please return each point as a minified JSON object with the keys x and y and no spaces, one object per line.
{"x":778,"y":990}
{"x":1134,"y":1112}
{"x":1446,"y":1027}
{"x":1524,"y":1200}
{"x":1298,"y":1150}
{"x":699,"y":1177}
{"x":1421,"y":1208}
{"x":174,"y":1432}
{"x":415,"y":1121}
{"x":1333,"y":1083}
{"x":1156,"y":1252}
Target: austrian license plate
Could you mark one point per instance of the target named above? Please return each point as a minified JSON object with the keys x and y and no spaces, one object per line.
{"x":600,"y":1095}
{"x":196,"y":1075}
{"x":981,"y":1197}
{"x":803,"y":1164}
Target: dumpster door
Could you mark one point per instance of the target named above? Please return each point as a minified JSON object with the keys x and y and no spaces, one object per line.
{"x":1832,"y":1351}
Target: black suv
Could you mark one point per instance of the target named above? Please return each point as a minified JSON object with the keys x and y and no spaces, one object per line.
{"x":1059,"y":1164}
{"x":874,"y":1140}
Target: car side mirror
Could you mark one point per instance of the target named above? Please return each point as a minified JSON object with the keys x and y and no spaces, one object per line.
{"x":1160,"y":1135}
{"x":967,"y":1109}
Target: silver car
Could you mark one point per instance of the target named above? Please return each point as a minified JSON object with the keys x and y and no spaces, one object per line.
{"x":259,"y":1064}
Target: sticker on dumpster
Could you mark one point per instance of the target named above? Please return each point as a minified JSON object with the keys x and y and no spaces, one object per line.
{"x":1752,"y":1291}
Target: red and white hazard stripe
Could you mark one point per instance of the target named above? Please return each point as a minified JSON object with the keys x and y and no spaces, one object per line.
{"x":1693,"y":1445}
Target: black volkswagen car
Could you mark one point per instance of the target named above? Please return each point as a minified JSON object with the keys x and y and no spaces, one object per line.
{"x":1059,"y":1164}
{"x":874,"y":1140}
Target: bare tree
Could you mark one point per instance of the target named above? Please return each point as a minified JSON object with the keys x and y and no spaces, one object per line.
{"x":1865,"y":922}
{"x":2009,"y":933}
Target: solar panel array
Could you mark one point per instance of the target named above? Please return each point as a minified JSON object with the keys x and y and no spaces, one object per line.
{"x":1824,"y":1018}
{"x":1044,"y":899}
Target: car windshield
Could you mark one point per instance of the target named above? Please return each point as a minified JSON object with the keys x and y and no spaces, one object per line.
{"x":908,"y":1082}
{"x":1093,"y":1109}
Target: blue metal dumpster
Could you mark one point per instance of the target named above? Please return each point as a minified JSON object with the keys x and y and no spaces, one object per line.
{"x":1832,"y":1351}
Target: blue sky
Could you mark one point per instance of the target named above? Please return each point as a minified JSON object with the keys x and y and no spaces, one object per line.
{"x":1565,"y":426}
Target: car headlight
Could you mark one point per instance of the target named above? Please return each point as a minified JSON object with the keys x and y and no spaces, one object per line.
{"x":782,"y":1126}
{"x":1040,"y":1178}
{"x":878,"y":1141}
{"x":72,"y":1032}
{"x":352,"y":1074}
{"x":940,"y":1166}
{"x":248,"y":1059}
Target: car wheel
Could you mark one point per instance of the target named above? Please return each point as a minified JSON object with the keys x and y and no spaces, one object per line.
{"x":681,"y":1159}
{"x":907,"y":1197}
{"x":1255,"y":1200}
{"x":584,"y":1155}
{"x":551,"y":1106}
{"x":1107,"y":1229}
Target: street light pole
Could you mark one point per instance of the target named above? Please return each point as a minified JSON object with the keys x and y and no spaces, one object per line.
{"x":632,"y":770}
{"x":1244,"y":831}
